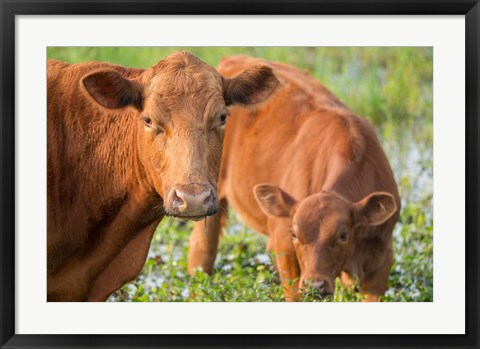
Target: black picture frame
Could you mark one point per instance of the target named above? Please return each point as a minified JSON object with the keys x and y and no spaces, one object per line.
{"x":11,"y":8}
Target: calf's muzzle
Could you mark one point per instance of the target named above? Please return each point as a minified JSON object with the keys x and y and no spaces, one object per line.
{"x":323,"y":286}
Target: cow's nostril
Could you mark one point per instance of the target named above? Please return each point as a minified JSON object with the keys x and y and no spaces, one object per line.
{"x":209,"y":200}
{"x":177,"y":200}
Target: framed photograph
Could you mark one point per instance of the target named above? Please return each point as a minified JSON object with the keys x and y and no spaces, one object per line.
{"x":197,"y":174}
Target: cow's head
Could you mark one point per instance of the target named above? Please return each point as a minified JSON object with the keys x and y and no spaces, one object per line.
{"x":324,"y":227}
{"x":182,"y":108}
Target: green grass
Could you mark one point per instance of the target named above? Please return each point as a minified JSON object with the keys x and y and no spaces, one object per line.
{"x":392,"y":87}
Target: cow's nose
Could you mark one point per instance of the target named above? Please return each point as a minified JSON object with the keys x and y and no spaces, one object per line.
{"x":182,"y":200}
{"x":193,"y":204}
{"x":322,"y":287}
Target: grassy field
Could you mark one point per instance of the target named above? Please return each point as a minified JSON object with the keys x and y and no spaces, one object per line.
{"x":392,"y":87}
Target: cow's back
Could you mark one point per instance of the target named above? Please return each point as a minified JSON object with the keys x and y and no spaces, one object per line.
{"x":302,"y":139}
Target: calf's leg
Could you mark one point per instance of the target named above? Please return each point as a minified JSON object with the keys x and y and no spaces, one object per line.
{"x":204,"y":240}
{"x":286,"y":261}
{"x":371,"y":298}
{"x":347,"y":279}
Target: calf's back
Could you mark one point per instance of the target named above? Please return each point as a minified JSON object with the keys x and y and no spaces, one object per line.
{"x":302,"y":139}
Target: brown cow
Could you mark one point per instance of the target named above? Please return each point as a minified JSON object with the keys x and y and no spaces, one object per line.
{"x":126,"y":147}
{"x":338,"y":201}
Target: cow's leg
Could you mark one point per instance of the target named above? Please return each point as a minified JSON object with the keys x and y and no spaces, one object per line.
{"x":74,"y":279}
{"x":286,"y":261}
{"x":269,"y":246}
{"x":204,"y":240}
{"x":374,"y":284}
{"x":124,"y":267}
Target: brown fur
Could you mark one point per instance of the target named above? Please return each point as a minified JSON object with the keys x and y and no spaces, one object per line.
{"x":120,"y":140}
{"x":315,"y":153}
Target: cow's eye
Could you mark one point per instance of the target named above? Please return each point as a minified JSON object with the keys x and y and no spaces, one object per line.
{"x":343,"y":236}
{"x":223,"y":119}
{"x":147,"y":121}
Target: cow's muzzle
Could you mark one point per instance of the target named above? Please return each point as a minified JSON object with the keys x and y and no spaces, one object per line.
{"x":192,"y":201}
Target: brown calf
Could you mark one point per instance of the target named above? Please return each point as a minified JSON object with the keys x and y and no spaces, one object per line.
{"x":126,"y":147}
{"x":332,"y":201}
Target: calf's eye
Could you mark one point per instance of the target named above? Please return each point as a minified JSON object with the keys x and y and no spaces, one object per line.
{"x":147,"y":121}
{"x":294,"y":236}
{"x":343,"y":236}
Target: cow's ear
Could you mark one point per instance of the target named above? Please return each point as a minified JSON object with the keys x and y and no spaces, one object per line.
{"x":273,"y":200}
{"x":252,"y":86}
{"x":376,"y":208}
{"x":111,"y":90}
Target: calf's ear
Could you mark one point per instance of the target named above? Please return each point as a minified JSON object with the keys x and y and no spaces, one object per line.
{"x":252,"y":86}
{"x":376,"y":208}
{"x":111,"y":90}
{"x":273,"y":200}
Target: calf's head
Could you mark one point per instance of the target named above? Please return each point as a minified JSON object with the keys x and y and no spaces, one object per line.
{"x":181,"y":111}
{"x":324,"y":228}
